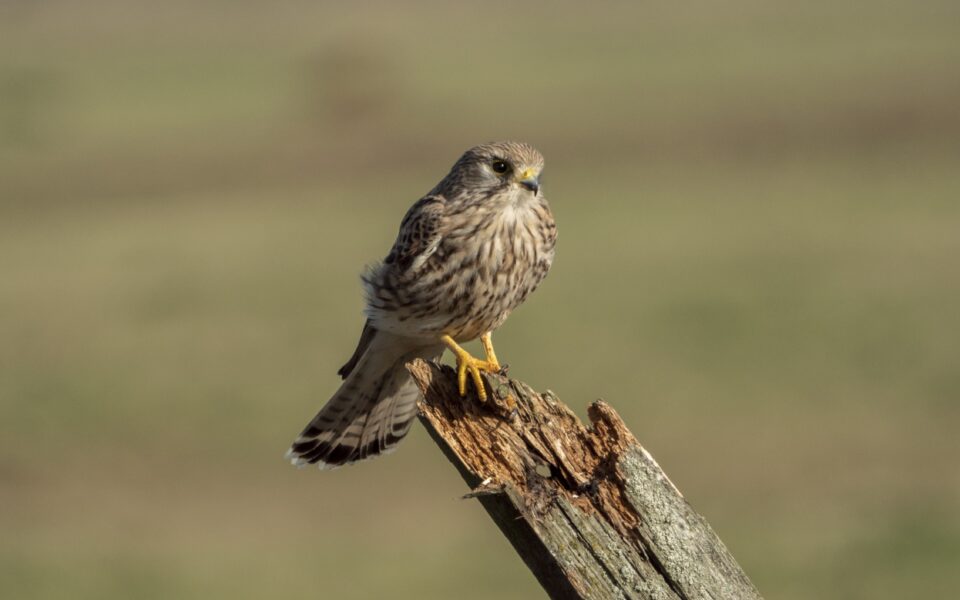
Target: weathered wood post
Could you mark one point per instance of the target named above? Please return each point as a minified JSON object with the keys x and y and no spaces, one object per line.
{"x":588,"y":510}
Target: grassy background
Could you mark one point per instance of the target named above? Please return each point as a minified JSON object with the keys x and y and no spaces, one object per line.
{"x":758,"y":265}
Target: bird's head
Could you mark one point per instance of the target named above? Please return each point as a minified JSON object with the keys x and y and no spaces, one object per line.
{"x":510,"y":170}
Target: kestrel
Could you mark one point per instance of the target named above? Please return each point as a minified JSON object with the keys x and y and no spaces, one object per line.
{"x":467,"y":254}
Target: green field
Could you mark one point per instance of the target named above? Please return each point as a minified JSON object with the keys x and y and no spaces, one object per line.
{"x":758,"y":266}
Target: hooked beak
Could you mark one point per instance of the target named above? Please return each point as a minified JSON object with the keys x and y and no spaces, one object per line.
{"x":530,"y":180}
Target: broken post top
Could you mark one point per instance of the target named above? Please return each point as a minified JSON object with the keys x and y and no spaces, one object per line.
{"x":588,"y":509}
{"x":518,"y":435}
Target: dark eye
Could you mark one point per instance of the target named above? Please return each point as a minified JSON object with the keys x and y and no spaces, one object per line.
{"x":500,"y":166}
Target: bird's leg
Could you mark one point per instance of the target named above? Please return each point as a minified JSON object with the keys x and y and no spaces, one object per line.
{"x":466,"y":362}
{"x":492,"y":361}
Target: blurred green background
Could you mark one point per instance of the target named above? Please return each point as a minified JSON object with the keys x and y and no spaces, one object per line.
{"x":758,"y":266}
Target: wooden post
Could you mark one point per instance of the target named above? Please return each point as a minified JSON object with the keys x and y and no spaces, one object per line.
{"x":588,"y":510}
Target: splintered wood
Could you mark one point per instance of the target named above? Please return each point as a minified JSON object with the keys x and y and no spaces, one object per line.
{"x":588,"y":509}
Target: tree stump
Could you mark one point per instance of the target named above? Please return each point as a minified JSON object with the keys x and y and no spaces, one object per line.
{"x":587,"y":509}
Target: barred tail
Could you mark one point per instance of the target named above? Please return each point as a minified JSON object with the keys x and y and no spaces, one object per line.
{"x":371,"y":412}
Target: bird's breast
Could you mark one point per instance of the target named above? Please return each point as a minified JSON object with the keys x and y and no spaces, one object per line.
{"x":500,"y":263}
{"x":485,"y":265}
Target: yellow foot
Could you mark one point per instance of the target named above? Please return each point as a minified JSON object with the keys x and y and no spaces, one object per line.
{"x":467,"y":363}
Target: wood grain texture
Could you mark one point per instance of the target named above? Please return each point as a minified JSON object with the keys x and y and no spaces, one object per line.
{"x":587,"y":509}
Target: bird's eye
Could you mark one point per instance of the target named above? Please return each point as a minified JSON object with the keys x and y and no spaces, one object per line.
{"x":500,"y":166}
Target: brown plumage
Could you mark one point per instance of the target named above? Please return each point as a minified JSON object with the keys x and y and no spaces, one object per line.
{"x":467,"y":254}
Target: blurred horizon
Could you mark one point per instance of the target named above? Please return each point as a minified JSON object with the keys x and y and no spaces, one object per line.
{"x":759,"y":231}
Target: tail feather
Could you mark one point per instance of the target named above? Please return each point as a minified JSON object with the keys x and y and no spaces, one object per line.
{"x":366,"y":336}
{"x":391,"y":418}
{"x":371,"y":412}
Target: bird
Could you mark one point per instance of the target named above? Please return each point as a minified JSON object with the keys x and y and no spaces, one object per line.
{"x":467,"y":254}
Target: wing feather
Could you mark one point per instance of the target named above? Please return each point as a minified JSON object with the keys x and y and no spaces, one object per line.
{"x":420,"y":234}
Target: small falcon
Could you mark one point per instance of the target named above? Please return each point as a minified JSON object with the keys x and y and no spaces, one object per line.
{"x":467,"y":254}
